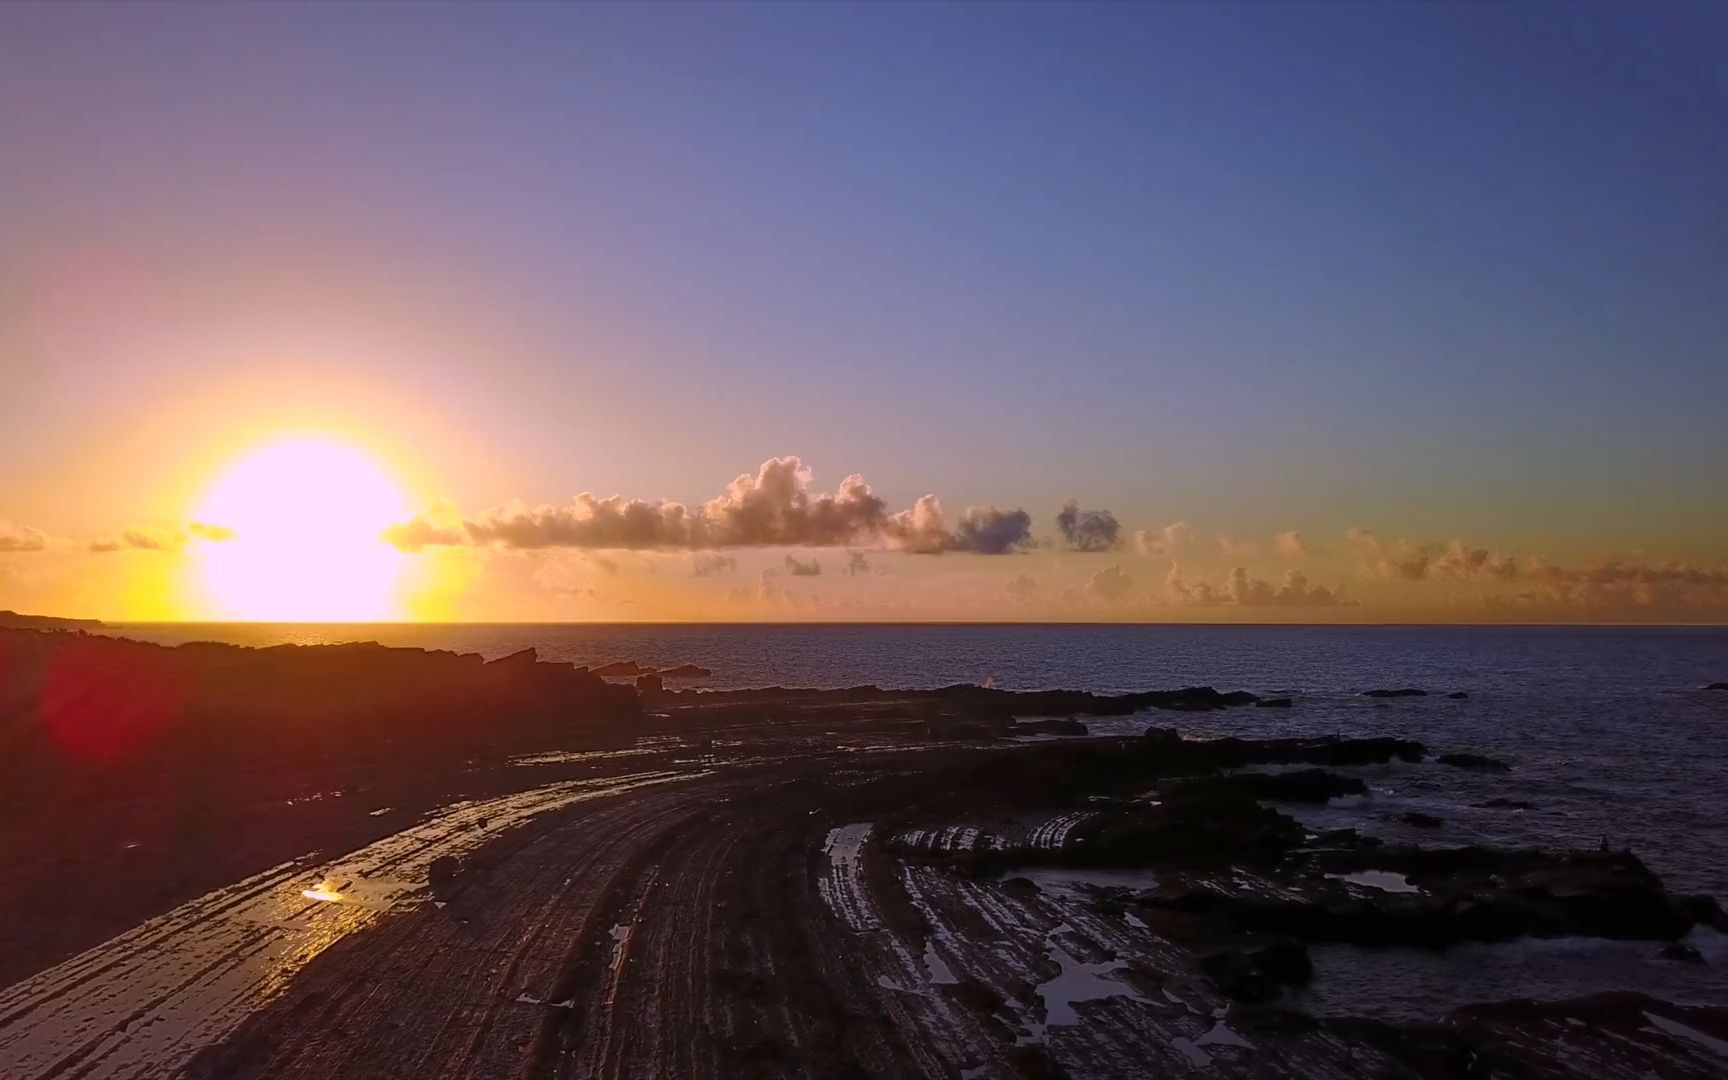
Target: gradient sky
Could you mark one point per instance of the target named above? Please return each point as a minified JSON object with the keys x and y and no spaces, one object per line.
{"x":1439,"y":272}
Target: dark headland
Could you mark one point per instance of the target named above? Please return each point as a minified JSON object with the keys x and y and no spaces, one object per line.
{"x":367,"y":861}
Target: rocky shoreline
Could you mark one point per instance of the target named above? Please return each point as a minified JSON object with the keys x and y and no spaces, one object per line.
{"x":865,"y":881}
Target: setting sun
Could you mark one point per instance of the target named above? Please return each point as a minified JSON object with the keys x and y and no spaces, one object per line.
{"x":306,"y":517}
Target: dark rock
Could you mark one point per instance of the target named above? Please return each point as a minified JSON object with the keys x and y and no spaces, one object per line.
{"x":1468,"y":894}
{"x":1302,"y":785}
{"x":1679,"y":950}
{"x":622,"y":669}
{"x":1408,"y":691}
{"x":1053,"y":726}
{"x":649,"y":688}
{"x":444,"y":869}
{"x":1285,"y":961}
{"x":1205,"y":824}
{"x":686,"y":671}
{"x":1234,"y":753}
{"x":1258,"y":973}
{"x":1337,"y":838}
{"x":1475,"y":762}
{"x":1422,"y":821}
{"x":1705,"y":910}
{"x":1717,"y":686}
{"x":1235,"y":974}
{"x":1457,"y":695}
{"x":1274,"y":703}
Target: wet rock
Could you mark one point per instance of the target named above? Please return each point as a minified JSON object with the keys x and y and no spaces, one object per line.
{"x":1234,"y":753}
{"x":1705,"y":911}
{"x":444,"y":870}
{"x":1457,"y":695}
{"x":1474,"y":762}
{"x":1337,"y":838}
{"x":1207,"y":823}
{"x":1053,"y":726}
{"x":1422,"y":821}
{"x":1682,"y":952}
{"x":649,"y":688}
{"x":1408,"y":691}
{"x":1274,"y":703}
{"x":1235,"y":974}
{"x":686,"y":671}
{"x":1303,"y":785}
{"x":1285,"y":961}
{"x":622,"y":669}
{"x":1466,"y":894}
{"x":1258,"y":972}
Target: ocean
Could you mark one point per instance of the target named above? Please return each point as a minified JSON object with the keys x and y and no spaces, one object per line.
{"x":1608,"y":730}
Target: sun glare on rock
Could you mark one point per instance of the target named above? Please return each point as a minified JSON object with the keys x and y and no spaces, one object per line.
{"x":306,"y":517}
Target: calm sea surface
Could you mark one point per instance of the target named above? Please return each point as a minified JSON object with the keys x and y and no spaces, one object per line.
{"x":1608,"y":729}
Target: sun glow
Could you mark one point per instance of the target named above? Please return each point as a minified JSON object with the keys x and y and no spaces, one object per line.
{"x":306,"y":517}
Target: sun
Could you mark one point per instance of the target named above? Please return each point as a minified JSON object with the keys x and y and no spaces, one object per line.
{"x":305,"y":517}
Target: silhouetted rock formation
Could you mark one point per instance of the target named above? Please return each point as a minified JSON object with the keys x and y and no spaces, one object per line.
{"x":1408,"y":691}
{"x":686,"y":671}
{"x":12,"y":620}
{"x":1474,"y":762}
{"x":622,"y":669}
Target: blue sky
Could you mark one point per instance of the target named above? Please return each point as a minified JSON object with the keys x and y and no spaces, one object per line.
{"x":1447,"y":270}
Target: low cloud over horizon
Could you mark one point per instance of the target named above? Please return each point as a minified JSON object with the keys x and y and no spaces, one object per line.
{"x":775,"y":507}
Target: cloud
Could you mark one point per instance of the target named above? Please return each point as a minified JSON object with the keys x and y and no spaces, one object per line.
{"x":1613,"y":587}
{"x":1111,"y":583}
{"x":775,"y":507}
{"x":1236,"y":547}
{"x":144,"y":538}
{"x":982,"y":530}
{"x":1088,"y":530}
{"x":1241,"y":590}
{"x":15,"y":538}
{"x":1395,"y":560}
{"x":711,"y":564}
{"x":214,"y":534}
{"x":856,"y":563}
{"x":1163,"y":542}
{"x":1290,"y":544}
{"x":1022,"y":588}
{"x":799,"y":568}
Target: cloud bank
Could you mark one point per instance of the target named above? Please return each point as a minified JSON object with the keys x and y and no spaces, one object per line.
{"x":1163,"y":542}
{"x":775,"y":507}
{"x":1241,"y":590}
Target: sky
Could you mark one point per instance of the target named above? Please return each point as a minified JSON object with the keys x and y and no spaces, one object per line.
{"x":1317,"y":313}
